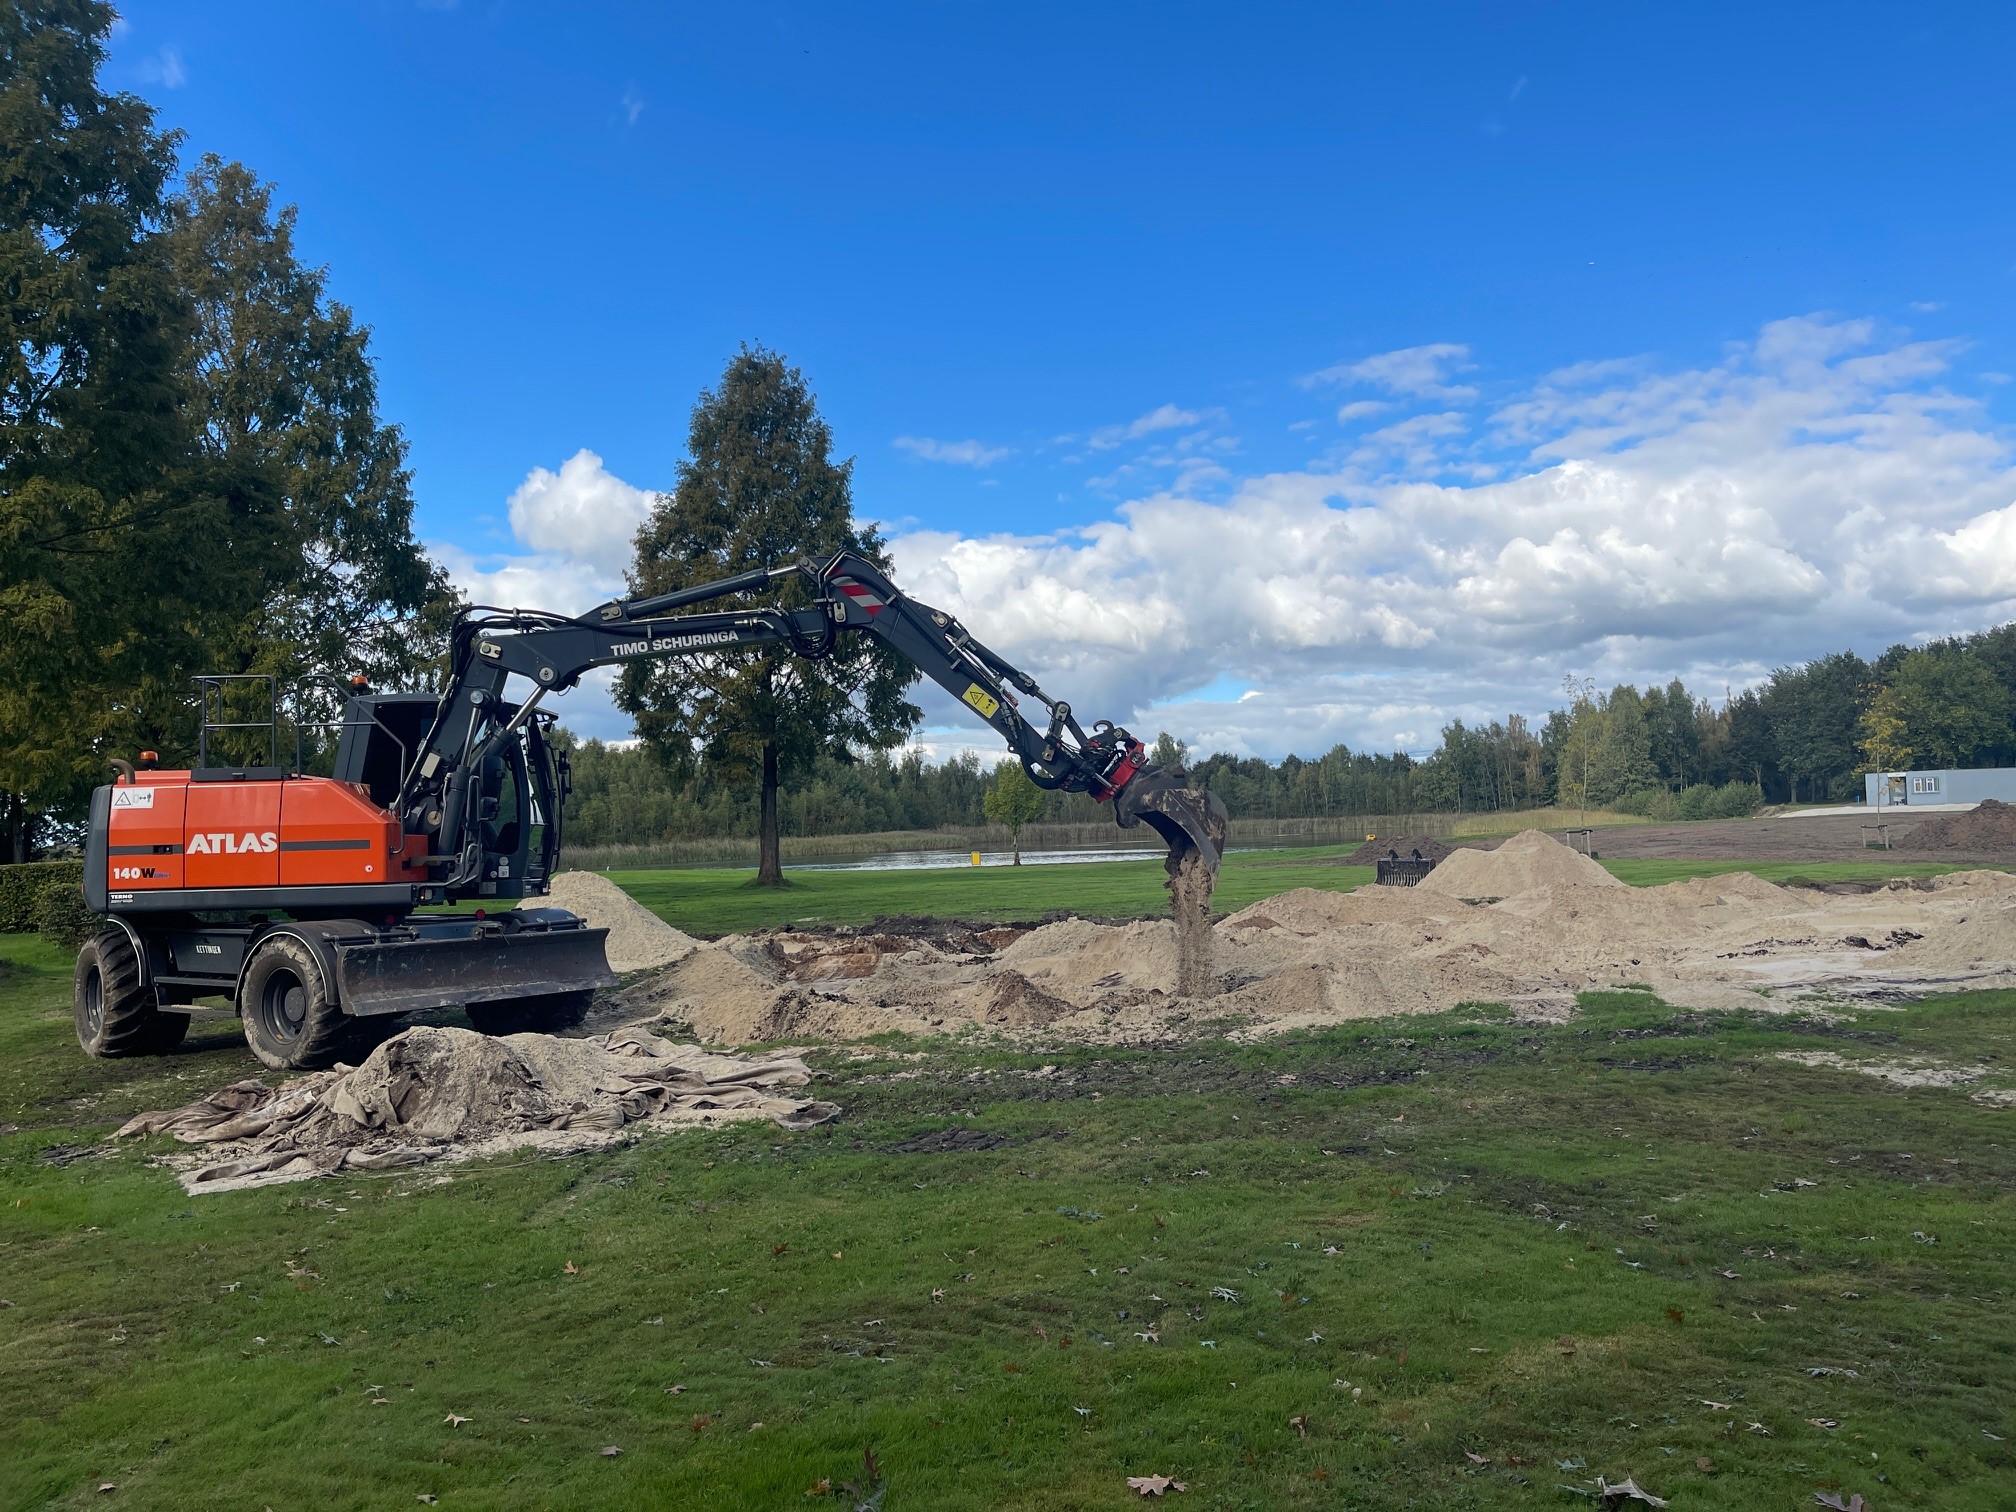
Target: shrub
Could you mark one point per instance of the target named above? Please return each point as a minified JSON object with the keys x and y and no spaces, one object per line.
{"x":21,"y":889}
{"x":1732,"y":800}
{"x":63,"y":917}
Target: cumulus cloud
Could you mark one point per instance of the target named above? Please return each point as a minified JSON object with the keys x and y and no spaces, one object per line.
{"x":1825,"y":484}
{"x":584,"y":514}
{"x":1419,"y":372}
{"x":1818,"y":487}
{"x":958,"y":453}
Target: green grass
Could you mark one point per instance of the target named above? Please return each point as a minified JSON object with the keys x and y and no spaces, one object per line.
{"x":1532,"y":1230}
{"x":713,"y":900}
{"x":717,"y":901}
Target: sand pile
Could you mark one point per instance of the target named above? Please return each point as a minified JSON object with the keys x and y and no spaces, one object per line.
{"x":638,"y":939}
{"x":431,"y":1094}
{"x":1990,"y":826}
{"x":1527,"y":863}
{"x":1405,"y":846}
{"x":1529,"y":924}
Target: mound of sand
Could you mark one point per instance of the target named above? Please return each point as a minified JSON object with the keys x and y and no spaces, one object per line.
{"x":1990,"y":826}
{"x":1530,"y":862}
{"x":431,"y":1094}
{"x":1404,"y":846}
{"x":1529,"y":925}
{"x":638,"y":939}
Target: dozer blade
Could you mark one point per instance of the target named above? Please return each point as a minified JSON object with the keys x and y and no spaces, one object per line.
{"x":448,"y":967}
{"x":1190,"y":819}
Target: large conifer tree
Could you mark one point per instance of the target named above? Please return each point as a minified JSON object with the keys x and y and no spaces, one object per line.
{"x":761,"y":489}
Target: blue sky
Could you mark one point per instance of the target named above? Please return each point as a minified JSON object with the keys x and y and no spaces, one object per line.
{"x":1376,"y":364}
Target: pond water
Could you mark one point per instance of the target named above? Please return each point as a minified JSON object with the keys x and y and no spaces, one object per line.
{"x":929,"y":860}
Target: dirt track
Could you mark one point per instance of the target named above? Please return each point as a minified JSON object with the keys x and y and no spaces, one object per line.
{"x":1833,"y":838}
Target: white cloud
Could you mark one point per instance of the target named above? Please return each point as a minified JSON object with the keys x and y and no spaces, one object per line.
{"x":1164,"y":417}
{"x":1361,"y":409}
{"x":958,"y":453}
{"x":1818,"y":487}
{"x":165,"y":68}
{"x":632,"y":105}
{"x":575,"y":531}
{"x":583,"y":513}
{"x":1419,"y":372}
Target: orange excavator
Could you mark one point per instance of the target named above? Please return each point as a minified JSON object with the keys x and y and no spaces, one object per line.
{"x":323,"y":909}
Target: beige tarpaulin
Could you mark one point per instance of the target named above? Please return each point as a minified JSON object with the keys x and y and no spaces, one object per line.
{"x":432,"y":1094}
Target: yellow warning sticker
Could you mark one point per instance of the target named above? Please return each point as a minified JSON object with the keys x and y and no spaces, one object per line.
{"x":983,"y":701}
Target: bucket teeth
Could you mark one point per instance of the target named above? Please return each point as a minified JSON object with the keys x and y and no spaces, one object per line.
{"x":1190,"y":819}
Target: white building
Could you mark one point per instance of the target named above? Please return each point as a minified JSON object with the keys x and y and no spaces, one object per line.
{"x":1902,"y":789}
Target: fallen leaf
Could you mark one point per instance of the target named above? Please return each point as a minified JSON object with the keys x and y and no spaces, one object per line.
{"x":424,"y":1497}
{"x":1703,"y":1463}
{"x":1153,"y":1485}
{"x":754,"y":1426}
{"x":455,"y":1420}
{"x":1828,"y":1423}
{"x":1300,"y":1423}
{"x":1012,"y":1368}
{"x":1475,"y":1459}
{"x":674,"y":1390}
{"x":836,"y":1254}
{"x":1626,"y":1490}
{"x":778,"y":1249}
{"x":937,"y":1294}
{"x":1714,"y":1406}
{"x":570,"y":1269}
{"x":103,"y":1486}
{"x":611,"y":1451}
{"x":1833,"y":1499}
{"x":1758,"y":1428}
{"x":820,"y":1487}
{"x":1151,"y":1336}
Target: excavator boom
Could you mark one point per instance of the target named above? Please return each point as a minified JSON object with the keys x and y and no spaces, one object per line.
{"x":296,"y":896}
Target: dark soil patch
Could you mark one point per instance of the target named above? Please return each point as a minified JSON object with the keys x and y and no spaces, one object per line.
{"x":951,"y":1142}
{"x":1989,"y":827}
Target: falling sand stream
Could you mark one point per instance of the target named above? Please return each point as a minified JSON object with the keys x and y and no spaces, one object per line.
{"x":1190,"y":884}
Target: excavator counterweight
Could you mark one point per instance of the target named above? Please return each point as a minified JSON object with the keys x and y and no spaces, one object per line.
{"x":310,"y":902}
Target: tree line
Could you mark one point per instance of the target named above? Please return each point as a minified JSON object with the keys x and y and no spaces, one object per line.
{"x":1806,"y":734}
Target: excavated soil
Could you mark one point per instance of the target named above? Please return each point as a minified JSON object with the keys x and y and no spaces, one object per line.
{"x":1528,"y":924}
{"x":638,"y":939}
{"x":1991,"y":826}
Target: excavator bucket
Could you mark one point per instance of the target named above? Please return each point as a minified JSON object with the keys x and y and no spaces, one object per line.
{"x":1192,"y":820}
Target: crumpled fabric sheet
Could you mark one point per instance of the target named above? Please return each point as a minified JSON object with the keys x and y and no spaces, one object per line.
{"x":431,"y":1094}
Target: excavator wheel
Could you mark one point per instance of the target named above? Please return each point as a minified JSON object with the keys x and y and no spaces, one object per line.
{"x":292,"y":1021}
{"x":531,"y":1015}
{"x":115,"y":1014}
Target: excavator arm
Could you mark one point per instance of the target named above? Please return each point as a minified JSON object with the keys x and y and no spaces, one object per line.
{"x":475,"y":723}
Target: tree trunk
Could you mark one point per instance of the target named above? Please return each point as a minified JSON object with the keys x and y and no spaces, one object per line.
{"x":769,"y":850}
{"x":1015,"y":840}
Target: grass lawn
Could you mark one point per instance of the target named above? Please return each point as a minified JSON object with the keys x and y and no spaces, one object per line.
{"x":1434,"y":1262}
{"x":718,"y":900}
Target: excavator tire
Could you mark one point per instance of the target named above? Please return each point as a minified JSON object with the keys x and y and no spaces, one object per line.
{"x":115,"y":1014}
{"x":532,"y":1015}
{"x":292,"y":1020}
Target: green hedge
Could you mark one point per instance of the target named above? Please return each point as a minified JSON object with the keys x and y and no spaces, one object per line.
{"x":1732,"y":800}
{"x":21,"y":889}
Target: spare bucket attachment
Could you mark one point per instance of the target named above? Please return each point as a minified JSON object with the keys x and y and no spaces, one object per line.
{"x":1190,"y":819}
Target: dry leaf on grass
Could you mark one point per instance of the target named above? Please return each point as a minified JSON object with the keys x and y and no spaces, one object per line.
{"x":1626,"y":1490}
{"x":820,"y":1487}
{"x":570,"y":1269}
{"x":455,"y":1420}
{"x":611,"y":1451}
{"x":1476,"y":1459}
{"x":1153,"y":1485}
{"x":1833,"y":1499}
